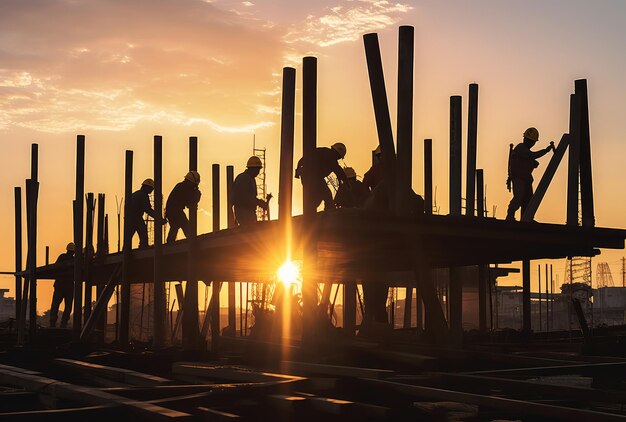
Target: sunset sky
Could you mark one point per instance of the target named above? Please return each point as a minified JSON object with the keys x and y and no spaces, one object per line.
{"x":122,"y":71}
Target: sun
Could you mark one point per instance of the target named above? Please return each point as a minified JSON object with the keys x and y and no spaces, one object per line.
{"x":288,"y":273}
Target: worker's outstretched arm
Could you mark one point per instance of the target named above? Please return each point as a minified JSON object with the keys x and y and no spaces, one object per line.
{"x":541,"y":152}
{"x":341,"y":175}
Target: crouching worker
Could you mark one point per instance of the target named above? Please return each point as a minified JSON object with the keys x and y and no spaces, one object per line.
{"x":325,"y":162}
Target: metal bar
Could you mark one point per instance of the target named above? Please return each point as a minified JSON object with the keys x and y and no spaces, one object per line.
{"x":586,"y":183}
{"x":472,"y":133}
{"x":232,"y":305}
{"x":547,"y":301}
{"x":160,"y":307}
{"x":101,"y":306}
{"x":88,"y":254}
{"x":405,"y":124}
{"x":32,"y":241}
{"x":18,"y":253}
{"x":573,"y":161}
{"x":309,"y":144}
{"x":78,"y":236}
{"x":127,"y":251}
{"x":526,"y":321}
{"x":546,"y":179}
{"x":455,"y":300}
{"x":285,"y":186}
{"x":190,"y":315}
{"x":539,"y":296}
{"x":47,"y":255}
{"x":215,"y":285}
{"x":480,"y":194}
{"x":428,"y":176}
{"x":455,"y":154}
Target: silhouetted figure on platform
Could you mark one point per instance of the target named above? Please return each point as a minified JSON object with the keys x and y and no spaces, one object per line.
{"x":185,"y":194}
{"x":63,"y":288}
{"x":353,"y":193}
{"x":245,"y":201}
{"x":326,"y":162}
{"x":140,"y":205}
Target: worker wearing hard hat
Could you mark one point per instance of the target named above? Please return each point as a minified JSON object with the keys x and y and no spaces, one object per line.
{"x":63,"y":287}
{"x":245,"y":201}
{"x":326,"y":162}
{"x":353,"y":193}
{"x":140,"y":205}
{"x":522,"y":162}
{"x":185,"y":194}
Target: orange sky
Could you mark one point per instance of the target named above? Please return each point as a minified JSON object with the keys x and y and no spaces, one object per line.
{"x":120,"y":72}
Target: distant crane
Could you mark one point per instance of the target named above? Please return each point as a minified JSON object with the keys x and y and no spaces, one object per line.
{"x":604,"y":278}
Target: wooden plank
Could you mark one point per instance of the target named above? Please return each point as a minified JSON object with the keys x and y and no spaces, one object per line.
{"x":515,"y":407}
{"x":67,"y":391}
{"x":233,"y":374}
{"x":333,"y":370}
{"x":119,"y":374}
{"x":546,"y":179}
{"x":216,"y":415}
{"x":19,"y":370}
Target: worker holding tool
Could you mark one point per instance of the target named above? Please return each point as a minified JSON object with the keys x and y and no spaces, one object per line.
{"x":326,"y":162}
{"x":522,"y":162}
{"x":353,"y":193}
{"x":63,"y":288}
{"x":185,"y":194}
{"x":140,"y":204}
{"x":245,"y":201}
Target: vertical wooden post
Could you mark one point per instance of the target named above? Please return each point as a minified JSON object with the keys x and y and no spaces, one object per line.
{"x":480,"y":193}
{"x":159,"y":281}
{"x":190,"y":312}
{"x":47,"y":255}
{"x":405,"y":125}
{"x":101,"y":252}
{"x":428,"y":176}
{"x":547,"y":301}
{"x":32,"y":240}
{"x":309,"y":144}
{"x":215,"y":285}
{"x":285,"y":183}
{"x":526,"y":321}
{"x":573,"y":163}
{"x":381,"y":110}
{"x":78,"y":236}
{"x":472,"y":132}
{"x":18,"y":253}
{"x":88,"y":255}
{"x":586,"y":183}
{"x":232,"y":305}
{"x":483,"y":270}
{"x":539,"y":289}
{"x":455,"y":155}
{"x":127,"y":251}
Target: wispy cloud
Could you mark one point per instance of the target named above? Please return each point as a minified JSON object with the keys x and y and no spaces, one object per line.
{"x":347,"y":22}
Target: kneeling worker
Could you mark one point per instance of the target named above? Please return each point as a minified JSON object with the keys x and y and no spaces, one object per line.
{"x":184,"y":195}
{"x":245,"y":201}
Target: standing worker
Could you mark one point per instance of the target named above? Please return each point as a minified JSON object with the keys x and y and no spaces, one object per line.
{"x":353,"y":193}
{"x":185,"y":194}
{"x":522,"y":162}
{"x":245,"y":201}
{"x":140,"y":204}
{"x":326,"y":162}
{"x":63,"y":287}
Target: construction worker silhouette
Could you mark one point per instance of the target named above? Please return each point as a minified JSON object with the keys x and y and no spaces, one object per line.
{"x":325,"y":162}
{"x":353,"y":193}
{"x":63,"y":288}
{"x":245,"y":201}
{"x":522,"y":162}
{"x":140,"y":204}
{"x":185,"y":194}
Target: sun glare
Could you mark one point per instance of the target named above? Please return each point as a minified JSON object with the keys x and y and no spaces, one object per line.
{"x":288,"y":273}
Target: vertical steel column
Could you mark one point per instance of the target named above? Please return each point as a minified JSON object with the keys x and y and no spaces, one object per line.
{"x":18,"y":253}
{"x":480,"y":193}
{"x":285,"y":182}
{"x":47,"y":255}
{"x":539,"y":282}
{"x":405,"y":124}
{"x":232,"y":305}
{"x":573,"y":162}
{"x":428,"y":176}
{"x":215,"y":285}
{"x":159,"y":280}
{"x":586,"y":183}
{"x":456,"y":305}
{"x":547,"y":301}
{"x":127,"y":251}
{"x":309,"y":144}
{"x":32,"y":240}
{"x":526,"y":322}
{"x":88,"y":255}
{"x":472,"y":132}
{"x":79,"y":201}
{"x":483,"y":270}
{"x":190,"y":312}
{"x":455,"y":155}
{"x":101,"y":252}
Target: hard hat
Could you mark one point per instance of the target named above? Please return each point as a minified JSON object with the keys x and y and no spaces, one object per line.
{"x":148,"y":182}
{"x":340,"y":148}
{"x":70,"y":247}
{"x":254,"y":162}
{"x":377,"y":150}
{"x":532,"y":134}
{"x":193,"y":176}
{"x":350,"y":173}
